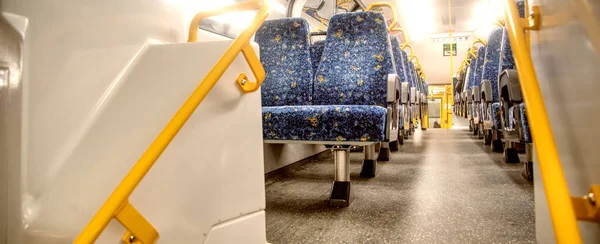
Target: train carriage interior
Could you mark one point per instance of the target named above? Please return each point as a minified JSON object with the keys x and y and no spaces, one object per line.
{"x":299,"y":121}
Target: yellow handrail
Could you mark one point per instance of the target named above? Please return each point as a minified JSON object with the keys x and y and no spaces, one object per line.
{"x":392,"y":8}
{"x":403,"y":35}
{"x":559,"y":201}
{"x":479,"y":40}
{"x":392,"y":27}
{"x":139,"y":230}
{"x":412,"y":52}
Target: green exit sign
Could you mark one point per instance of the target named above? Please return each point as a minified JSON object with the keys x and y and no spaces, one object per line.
{"x":447,"y":49}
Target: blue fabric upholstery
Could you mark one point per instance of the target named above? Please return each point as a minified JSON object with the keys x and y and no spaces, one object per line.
{"x":413,"y":76}
{"x":356,"y":61}
{"x":399,"y":59}
{"x":525,"y":124}
{"x":479,"y":66}
{"x":401,"y":118}
{"x":521,"y":7}
{"x":496,"y":120}
{"x":492,"y":61}
{"x":409,"y":74}
{"x":507,"y":61}
{"x":455,"y":81}
{"x":316,"y":51}
{"x":324,"y":123}
{"x":511,"y":118}
{"x":285,"y":55}
{"x":471,"y":79}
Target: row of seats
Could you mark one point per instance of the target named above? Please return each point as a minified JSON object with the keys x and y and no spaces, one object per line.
{"x":345,"y":91}
{"x":490,"y":98}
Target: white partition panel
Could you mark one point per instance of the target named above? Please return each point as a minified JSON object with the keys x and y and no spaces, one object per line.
{"x":100,"y":80}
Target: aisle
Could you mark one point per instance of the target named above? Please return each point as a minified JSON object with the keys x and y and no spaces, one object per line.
{"x":442,"y":187}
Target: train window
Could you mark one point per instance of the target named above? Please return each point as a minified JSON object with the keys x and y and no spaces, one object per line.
{"x":230,"y":25}
{"x":318,"y":12}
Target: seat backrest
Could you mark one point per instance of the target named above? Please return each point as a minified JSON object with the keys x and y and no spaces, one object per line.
{"x":285,"y":55}
{"x":479,"y":66}
{"x":413,"y":76}
{"x":507,"y":60}
{"x":455,"y":81}
{"x":316,"y":51}
{"x":398,"y":59}
{"x":470,"y":77}
{"x":491,"y":68}
{"x":356,"y":61}
{"x":409,"y":73}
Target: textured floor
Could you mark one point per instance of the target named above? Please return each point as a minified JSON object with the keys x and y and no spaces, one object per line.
{"x":442,"y":187}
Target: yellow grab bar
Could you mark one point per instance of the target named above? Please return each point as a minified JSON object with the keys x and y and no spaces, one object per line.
{"x":403,"y":35}
{"x":479,"y":40}
{"x":412,"y":52}
{"x":139,"y":230}
{"x":559,"y":201}
{"x":392,"y":8}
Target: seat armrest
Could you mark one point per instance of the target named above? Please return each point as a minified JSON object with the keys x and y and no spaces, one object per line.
{"x":393,"y":88}
{"x":469,"y":95}
{"x":405,"y":93}
{"x":476,"y":93}
{"x":508,"y":82}
{"x":486,"y":88}
{"x":413,"y":95}
{"x":394,"y":92}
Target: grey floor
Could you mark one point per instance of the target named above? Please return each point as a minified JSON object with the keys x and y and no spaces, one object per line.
{"x":443,"y":186}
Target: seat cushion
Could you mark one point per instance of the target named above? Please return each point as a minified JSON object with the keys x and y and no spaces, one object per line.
{"x":285,"y":55}
{"x":497,"y":123}
{"x":324,"y":123}
{"x":356,"y":61}
{"x":525,"y":124}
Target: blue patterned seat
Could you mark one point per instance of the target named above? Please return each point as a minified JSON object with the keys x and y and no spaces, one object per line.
{"x":407,"y":69}
{"x":411,"y":71}
{"x":471,"y":78}
{"x":400,"y":60}
{"x":469,"y":85}
{"x":491,"y":68}
{"x":285,"y":55}
{"x":525,"y":124}
{"x":496,"y":115}
{"x":316,"y":51}
{"x":349,"y":89}
{"x":478,"y":74}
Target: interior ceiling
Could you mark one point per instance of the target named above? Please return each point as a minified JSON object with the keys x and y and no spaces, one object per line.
{"x":462,"y":14}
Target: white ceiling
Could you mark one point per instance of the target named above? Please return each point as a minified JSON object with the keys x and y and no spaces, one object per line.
{"x":463,"y":13}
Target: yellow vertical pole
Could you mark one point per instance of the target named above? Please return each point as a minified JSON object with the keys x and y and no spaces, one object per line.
{"x":444,"y":113}
{"x":450,"y":94}
{"x":559,"y":200}
{"x":449,"y":120}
